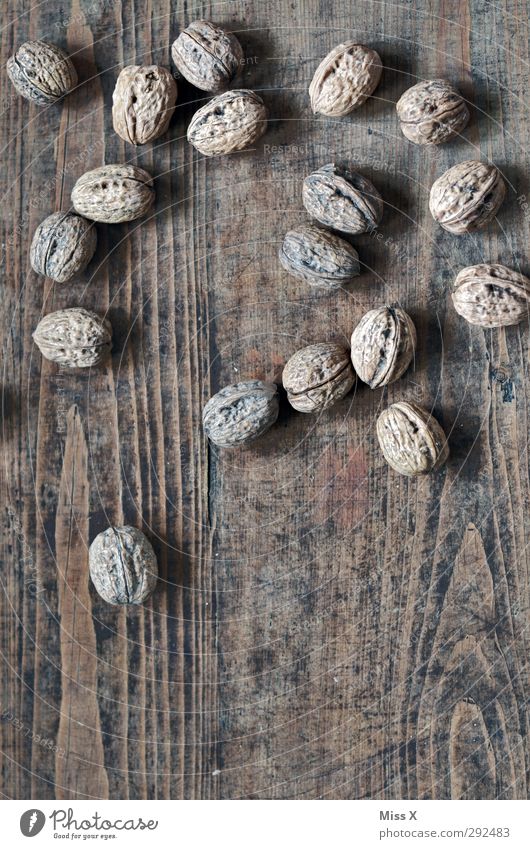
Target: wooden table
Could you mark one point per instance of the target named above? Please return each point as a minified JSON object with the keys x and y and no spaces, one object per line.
{"x":323,"y":628}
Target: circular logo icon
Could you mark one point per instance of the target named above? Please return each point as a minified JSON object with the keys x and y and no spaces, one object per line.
{"x":31,"y":822}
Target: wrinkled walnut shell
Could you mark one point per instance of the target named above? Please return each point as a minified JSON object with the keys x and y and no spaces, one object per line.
{"x":318,"y":376}
{"x":491,"y":295}
{"x":143,"y":102}
{"x":41,"y":72}
{"x":62,"y":246}
{"x":342,"y":200}
{"x":229,"y":122}
{"x":382,"y":346}
{"x":318,"y":257}
{"x":345,"y":79}
{"x":114,"y":193}
{"x":411,"y":439}
{"x":467,"y":196}
{"x":432,"y":112}
{"x":207,"y":56}
{"x":123,"y":565}
{"x":76,"y":337}
{"x":240,"y":413}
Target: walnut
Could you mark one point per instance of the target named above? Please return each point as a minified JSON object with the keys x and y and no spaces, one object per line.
{"x":123,"y":565}
{"x":207,"y":56}
{"x":62,"y":246}
{"x":382,"y":346}
{"x":342,"y":200}
{"x":318,"y":376}
{"x":114,"y":193}
{"x":491,"y":295}
{"x":240,"y":413}
{"x":467,"y":196}
{"x":75,"y":337}
{"x":432,"y":112}
{"x":143,"y":102}
{"x":41,"y":72}
{"x":321,"y":258}
{"x":411,"y":439}
{"x":345,"y":78}
{"x":229,"y":122}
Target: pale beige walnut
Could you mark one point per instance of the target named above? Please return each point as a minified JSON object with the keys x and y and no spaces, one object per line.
{"x":382,"y":346}
{"x":62,"y":246}
{"x":318,"y":376}
{"x":345,"y":79}
{"x":229,"y":122}
{"x":207,"y":56}
{"x":491,"y":295}
{"x":240,"y":413}
{"x":411,"y":439}
{"x":143,"y":102}
{"x":123,"y":565}
{"x":342,"y":200}
{"x":114,"y":193}
{"x":75,"y":337}
{"x":41,"y":72}
{"x":320,"y":258}
{"x":432,"y":112}
{"x":467,"y":197}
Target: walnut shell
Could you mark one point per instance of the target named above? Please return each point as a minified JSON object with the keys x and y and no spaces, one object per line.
{"x":75,"y":337}
{"x":240,"y":413}
{"x":123,"y":565}
{"x":321,"y":258}
{"x":114,"y":193}
{"x":229,"y":122}
{"x":491,"y":295}
{"x":411,"y":439}
{"x":342,"y":200}
{"x":345,"y":79}
{"x":41,"y":72}
{"x":432,"y":112}
{"x":63,"y":245}
{"x":207,"y":56}
{"x":318,"y":376}
{"x":382,"y":346}
{"x":143,"y":102}
{"x":467,"y":196}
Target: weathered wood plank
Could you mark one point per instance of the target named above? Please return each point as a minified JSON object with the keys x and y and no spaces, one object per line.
{"x":79,"y":760}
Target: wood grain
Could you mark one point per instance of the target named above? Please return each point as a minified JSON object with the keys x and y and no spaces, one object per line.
{"x":322,"y":628}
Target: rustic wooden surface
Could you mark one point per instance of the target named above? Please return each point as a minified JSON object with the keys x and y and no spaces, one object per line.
{"x":323,"y":628}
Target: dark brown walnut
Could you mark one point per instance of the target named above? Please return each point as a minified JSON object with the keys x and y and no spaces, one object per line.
{"x":342,"y":200}
{"x":143,"y":102}
{"x":123,"y":565}
{"x":467,"y":197}
{"x":321,"y":258}
{"x":207,"y":56}
{"x":62,"y":246}
{"x":41,"y":72}
{"x":75,"y":337}
{"x":412,"y":441}
{"x":318,"y":376}
{"x":240,"y":413}
{"x":229,"y":122}
{"x":345,"y":79}
{"x":491,"y":295}
{"x":114,"y":193}
{"x":382,"y":346}
{"x":432,"y":112}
